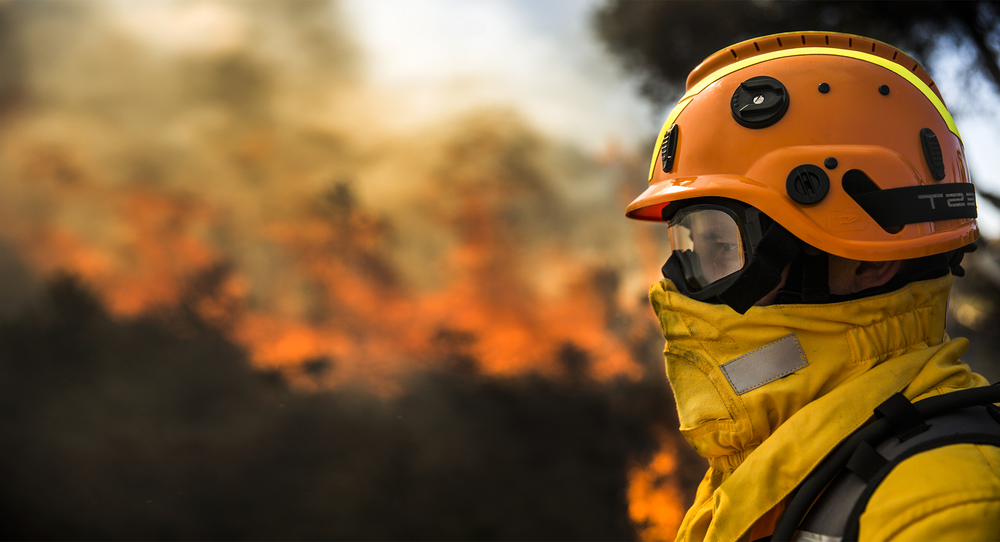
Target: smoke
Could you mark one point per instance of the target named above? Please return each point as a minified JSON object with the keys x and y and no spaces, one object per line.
{"x":146,"y":152}
{"x":241,"y":302}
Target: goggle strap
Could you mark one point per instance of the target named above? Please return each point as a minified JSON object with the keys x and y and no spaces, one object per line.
{"x":816,"y":278}
{"x":776,"y":249}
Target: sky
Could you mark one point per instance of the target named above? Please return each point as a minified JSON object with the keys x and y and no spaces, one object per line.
{"x":542,"y":58}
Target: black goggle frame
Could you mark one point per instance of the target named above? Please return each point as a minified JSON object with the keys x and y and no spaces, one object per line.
{"x":752,"y":225}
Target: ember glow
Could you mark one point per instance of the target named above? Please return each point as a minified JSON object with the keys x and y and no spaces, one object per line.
{"x":249,"y":170}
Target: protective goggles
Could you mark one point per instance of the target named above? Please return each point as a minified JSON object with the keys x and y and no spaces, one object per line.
{"x":713,"y":240}
{"x":724,"y":251}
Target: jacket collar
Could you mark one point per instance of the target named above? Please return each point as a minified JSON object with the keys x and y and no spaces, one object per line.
{"x":740,"y":388}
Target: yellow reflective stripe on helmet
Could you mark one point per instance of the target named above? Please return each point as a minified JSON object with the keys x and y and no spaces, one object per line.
{"x":858,"y":55}
{"x":867,"y":57}
{"x":663,"y":131}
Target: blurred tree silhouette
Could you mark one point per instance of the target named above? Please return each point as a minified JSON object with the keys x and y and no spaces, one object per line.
{"x":665,"y":40}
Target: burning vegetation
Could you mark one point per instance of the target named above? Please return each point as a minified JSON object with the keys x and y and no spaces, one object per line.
{"x":239,"y":301}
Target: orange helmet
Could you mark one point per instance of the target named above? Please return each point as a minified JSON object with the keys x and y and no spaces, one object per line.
{"x":842,"y":140}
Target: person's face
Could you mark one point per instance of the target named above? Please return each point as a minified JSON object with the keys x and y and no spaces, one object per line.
{"x":717,"y":242}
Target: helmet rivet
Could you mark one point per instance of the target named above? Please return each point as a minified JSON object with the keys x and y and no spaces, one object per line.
{"x":824,"y":88}
{"x":759,"y":99}
{"x":830,"y":163}
{"x":884,"y":90}
{"x":807,"y":184}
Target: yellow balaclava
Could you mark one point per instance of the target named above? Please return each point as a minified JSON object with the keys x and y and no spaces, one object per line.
{"x":795,"y":376}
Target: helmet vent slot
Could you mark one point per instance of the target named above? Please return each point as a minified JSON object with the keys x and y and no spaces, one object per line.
{"x":669,"y":149}
{"x":932,"y":153}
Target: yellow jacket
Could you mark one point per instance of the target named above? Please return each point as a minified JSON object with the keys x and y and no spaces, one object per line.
{"x":764,"y":396}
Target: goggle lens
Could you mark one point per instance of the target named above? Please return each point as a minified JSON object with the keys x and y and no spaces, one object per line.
{"x":708,"y":243}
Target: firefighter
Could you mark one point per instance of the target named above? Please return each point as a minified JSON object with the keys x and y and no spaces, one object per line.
{"x":818,"y":204}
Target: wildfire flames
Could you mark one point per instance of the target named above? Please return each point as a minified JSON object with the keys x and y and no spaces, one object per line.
{"x":256,"y":177}
{"x":654,"y":499}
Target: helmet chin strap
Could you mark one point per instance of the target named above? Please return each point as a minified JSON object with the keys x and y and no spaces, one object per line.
{"x":763,"y":273}
{"x":808,"y":279}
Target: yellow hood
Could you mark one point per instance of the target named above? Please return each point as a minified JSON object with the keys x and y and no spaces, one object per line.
{"x":788,"y":382}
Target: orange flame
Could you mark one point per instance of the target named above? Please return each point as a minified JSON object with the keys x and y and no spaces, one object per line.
{"x":654,"y":500}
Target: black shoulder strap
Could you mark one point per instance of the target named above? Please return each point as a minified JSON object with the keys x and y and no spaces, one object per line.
{"x":975,"y":425}
{"x":838,"y":510}
{"x":849,"y":475}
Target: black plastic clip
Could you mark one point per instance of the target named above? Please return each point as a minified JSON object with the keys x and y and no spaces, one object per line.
{"x":865,"y":462}
{"x":904,"y":419}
